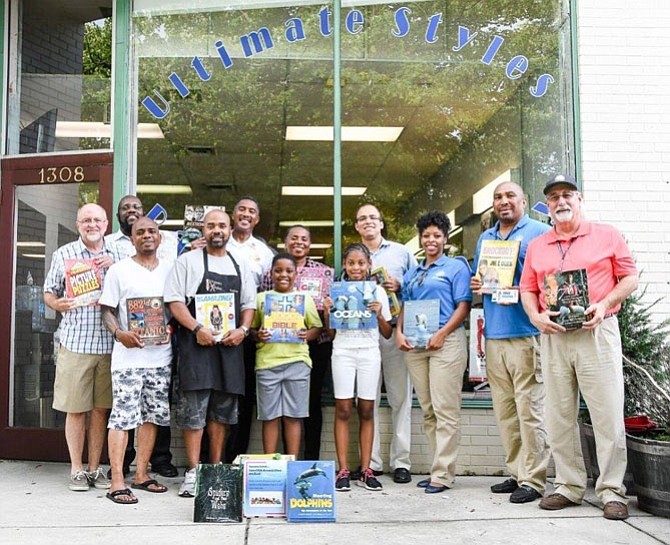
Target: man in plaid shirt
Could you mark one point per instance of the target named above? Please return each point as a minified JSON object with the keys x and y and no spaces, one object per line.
{"x":83,"y":378}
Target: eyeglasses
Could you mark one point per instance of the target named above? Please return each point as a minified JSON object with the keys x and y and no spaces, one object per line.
{"x":566,"y":195}
{"x":371,"y":217}
{"x":91,"y":221}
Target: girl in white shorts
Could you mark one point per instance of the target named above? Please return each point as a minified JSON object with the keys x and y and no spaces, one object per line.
{"x":356,"y":364}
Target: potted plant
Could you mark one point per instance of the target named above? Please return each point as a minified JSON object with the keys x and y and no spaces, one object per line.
{"x":647,"y":399}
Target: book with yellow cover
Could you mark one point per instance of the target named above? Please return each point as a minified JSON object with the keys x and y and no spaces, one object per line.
{"x":381,"y":275}
{"x":497,"y":264}
{"x":82,"y":281}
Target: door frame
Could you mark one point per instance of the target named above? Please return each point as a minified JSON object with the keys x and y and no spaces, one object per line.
{"x":23,"y":170}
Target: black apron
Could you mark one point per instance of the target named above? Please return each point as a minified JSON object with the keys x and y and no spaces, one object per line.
{"x":216,"y":367}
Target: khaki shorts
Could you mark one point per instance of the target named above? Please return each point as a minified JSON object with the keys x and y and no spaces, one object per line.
{"x":83,"y":382}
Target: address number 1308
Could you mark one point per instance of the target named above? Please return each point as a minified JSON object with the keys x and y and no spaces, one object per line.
{"x":52,"y":175}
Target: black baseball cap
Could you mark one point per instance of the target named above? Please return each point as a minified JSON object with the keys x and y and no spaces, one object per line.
{"x":562,"y":179}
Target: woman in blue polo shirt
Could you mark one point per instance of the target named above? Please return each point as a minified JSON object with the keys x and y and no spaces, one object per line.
{"x":437,"y":370}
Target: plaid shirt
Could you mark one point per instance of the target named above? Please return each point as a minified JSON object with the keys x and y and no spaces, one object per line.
{"x":81,"y":328}
{"x":267,"y":285}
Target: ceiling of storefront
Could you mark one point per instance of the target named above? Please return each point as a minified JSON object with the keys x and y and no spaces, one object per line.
{"x":70,"y":10}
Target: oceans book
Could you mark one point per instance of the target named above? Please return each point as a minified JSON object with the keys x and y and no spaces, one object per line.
{"x":216,"y":311}
{"x":218,"y":493}
{"x":497,"y":264}
{"x":381,"y":275}
{"x":284,"y":316}
{"x":146,"y":316}
{"x":310,"y":491}
{"x":316,"y":282}
{"x":350,"y":305}
{"x":567,"y":292}
{"x":420,"y":320}
{"x":82,"y":281}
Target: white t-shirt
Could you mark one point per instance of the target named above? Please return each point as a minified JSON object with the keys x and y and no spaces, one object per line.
{"x":364,"y":338}
{"x":124,"y":280}
{"x":189,"y":269}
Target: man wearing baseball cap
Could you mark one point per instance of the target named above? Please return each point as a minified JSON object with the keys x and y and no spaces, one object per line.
{"x":587,"y":358}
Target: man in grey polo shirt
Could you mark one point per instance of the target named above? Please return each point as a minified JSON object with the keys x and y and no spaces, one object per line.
{"x":397,"y":260}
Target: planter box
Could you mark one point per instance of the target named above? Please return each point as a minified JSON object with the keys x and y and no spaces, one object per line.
{"x":650,"y":462}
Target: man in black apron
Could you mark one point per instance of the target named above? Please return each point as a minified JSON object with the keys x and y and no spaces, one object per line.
{"x":210,"y":371}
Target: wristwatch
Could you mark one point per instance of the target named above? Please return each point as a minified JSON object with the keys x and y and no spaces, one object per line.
{"x":245,"y":329}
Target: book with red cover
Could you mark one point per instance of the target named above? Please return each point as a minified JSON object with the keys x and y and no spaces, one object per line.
{"x":82,"y":281}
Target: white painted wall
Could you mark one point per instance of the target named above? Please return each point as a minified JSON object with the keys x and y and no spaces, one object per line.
{"x":624,"y":90}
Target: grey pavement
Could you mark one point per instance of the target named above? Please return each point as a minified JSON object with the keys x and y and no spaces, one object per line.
{"x":36,"y":507}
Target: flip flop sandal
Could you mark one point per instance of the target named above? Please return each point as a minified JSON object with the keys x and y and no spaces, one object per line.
{"x":114,"y":496}
{"x":146,"y":486}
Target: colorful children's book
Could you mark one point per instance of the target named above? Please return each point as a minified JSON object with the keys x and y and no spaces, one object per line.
{"x":82,"y":281}
{"x":381,"y":275}
{"x":421,"y":319}
{"x":284,"y":316}
{"x":216,"y":311}
{"x":146,"y":316}
{"x":316,"y":282}
{"x":350,"y":305}
{"x":194,"y":215}
{"x":218,"y":493}
{"x":477,"y":367}
{"x":264,"y":488}
{"x":497,"y":264}
{"x":567,"y":292}
{"x":310,"y":491}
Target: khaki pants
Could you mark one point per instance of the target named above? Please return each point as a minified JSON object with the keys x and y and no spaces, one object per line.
{"x":514,"y":373}
{"x":437,"y":376}
{"x":588,"y":361}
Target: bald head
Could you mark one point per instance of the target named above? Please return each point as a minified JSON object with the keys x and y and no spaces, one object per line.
{"x":92,"y":224}
{"x":509,"y":203}
{"x":145,"y":236}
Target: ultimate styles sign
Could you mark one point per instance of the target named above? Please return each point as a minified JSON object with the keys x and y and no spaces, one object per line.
{"x":257,"y":41}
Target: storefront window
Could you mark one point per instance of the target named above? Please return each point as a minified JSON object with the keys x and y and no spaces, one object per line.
{"x":63,"y":65}
{"x":440,"y":101}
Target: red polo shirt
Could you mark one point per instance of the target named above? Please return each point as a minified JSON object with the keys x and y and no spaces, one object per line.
{"x":596,"y":247}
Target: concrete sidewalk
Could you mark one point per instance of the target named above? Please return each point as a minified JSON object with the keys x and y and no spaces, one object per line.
{"x":36,"y":507}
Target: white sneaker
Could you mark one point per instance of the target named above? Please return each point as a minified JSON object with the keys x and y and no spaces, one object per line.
{"x":187,"y":488}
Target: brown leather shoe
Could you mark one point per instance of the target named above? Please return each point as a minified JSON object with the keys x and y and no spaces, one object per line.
{"x":615,"y":510}
{"x":554,"y":502}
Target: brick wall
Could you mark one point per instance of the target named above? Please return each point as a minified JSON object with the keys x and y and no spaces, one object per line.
{"x":624,"y":89}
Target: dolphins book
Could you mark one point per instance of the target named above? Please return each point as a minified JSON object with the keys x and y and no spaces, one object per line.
{"x":350,"y":305}
{"x":218,"y":493}
{"x":310,"y":491}
{"x":420,"y":320}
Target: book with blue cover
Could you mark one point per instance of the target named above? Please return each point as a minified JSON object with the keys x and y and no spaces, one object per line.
{"x":284,"y":316}
{"x":310,"y":491}
{"x":421,"y":320}
{"x":350,"y":305}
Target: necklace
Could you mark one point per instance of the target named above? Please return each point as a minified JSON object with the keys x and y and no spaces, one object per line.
{"x":147,"y":266}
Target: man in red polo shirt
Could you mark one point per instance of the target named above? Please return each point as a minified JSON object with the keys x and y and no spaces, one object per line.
{"x":586,"y":358}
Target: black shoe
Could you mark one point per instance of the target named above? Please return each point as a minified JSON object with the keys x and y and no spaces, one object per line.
{"x":356,"y":475}
{"x":524,"y":494}
{"x":165,"y":470}
{"x":402,"y":476}
{"x":505,"y":487}
{"x":423,"y":483}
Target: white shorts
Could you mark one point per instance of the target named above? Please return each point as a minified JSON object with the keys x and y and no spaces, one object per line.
{"x":356,"y":370}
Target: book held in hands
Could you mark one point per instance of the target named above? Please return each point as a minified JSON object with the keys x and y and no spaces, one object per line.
{"x":146,"y":316}
{"x":381,"y":275}
{"x":284,"y":316}
{"x":350,"y":305}
{"x":497,"y":264}
{"x":567,"y":292}
{"x":216,"y":311}
{"x":82,"y":281}
{"x":421,"y":320}
{"x":315,"y":281}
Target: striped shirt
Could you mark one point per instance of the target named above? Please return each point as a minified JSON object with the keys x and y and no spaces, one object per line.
{"x":81,"y":328}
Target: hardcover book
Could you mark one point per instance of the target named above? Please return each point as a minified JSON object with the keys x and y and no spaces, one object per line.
{"x":350,"y":305}
{"x":216,"y":311}
{"x":264,"y":488}
{"x":316,"y":282}
{"x":381,"y":275}
{"x":310,"y":491}
{"x":421,"y":320}
{"x":146,"y":316}
{"x":567,"y":292}
{"x":218,"y":493}
{"x":497,"y":264}
{"x":477,"y":366}
{"x":82,"y":281}
{"x":284,"y":316}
